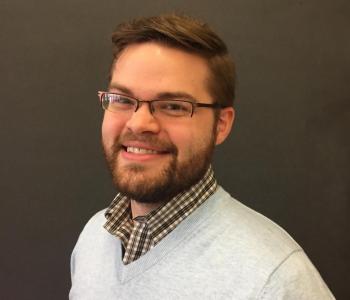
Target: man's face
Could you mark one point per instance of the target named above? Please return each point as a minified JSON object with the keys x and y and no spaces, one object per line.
{"x":152,"y":160}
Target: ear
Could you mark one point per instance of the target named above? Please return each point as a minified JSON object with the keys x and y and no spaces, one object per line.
{"x":224,"y":124}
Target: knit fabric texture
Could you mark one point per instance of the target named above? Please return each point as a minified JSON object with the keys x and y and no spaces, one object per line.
{"x":223,"y":250}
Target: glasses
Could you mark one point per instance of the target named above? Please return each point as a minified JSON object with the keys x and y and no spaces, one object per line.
{"x":121,"y":104}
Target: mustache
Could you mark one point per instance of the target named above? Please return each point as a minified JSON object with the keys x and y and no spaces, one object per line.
{"x":147,"y":138}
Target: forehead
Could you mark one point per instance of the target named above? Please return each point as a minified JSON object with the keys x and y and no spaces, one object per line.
{"x":150,"y":68}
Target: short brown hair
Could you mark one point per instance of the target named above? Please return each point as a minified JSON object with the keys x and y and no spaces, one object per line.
{"x":188,"y":34}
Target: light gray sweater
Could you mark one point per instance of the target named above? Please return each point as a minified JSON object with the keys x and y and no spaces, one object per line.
{"x":223,"y":250}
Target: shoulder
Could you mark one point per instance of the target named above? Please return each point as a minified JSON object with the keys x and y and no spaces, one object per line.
{"x":97,"y":219}
{"x":239,"y":218}
{"x":247,"y":231}
{"x":295,"y":278}
{"x":93,"y":233}
{"x":93,"y":239}
{"x":262,"y":251}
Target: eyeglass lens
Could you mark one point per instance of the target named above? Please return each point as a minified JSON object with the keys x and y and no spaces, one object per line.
{"x":123,"y":104}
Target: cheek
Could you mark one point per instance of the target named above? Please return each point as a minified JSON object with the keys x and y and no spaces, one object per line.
{"x":188,"y":141}
{"x":111,"y":129}
{"x":198,"y":140}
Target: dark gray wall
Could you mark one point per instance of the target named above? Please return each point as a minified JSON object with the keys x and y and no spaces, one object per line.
{"x":288,"y":156}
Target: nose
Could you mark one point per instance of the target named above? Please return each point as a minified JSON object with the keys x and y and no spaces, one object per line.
{"x":142,"y":120}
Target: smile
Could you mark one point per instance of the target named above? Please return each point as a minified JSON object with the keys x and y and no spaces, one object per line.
{"x":137,"y":150}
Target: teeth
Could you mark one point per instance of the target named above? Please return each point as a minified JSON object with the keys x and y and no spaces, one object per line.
{"x":140,"y":150}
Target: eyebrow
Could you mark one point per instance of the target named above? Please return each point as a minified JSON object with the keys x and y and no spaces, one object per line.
{"x":160,"y":96}
{"x":117,"y":86}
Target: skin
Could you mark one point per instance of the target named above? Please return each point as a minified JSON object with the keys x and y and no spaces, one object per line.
{"x":151,"y":71}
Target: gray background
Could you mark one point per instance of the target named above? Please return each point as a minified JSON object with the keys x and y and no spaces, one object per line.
{"x":288,"y":156}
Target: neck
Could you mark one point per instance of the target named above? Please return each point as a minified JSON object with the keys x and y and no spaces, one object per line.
{"x":139,"y":209}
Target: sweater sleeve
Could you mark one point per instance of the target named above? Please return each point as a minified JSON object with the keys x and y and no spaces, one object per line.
{"x":295,"y":278}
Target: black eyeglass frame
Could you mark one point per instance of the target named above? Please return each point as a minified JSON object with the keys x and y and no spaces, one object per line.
{"x":138,"y":101}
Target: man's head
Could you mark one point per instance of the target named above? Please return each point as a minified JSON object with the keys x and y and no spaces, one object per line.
{"x":187,"y":34}
{"x":153,"y":155}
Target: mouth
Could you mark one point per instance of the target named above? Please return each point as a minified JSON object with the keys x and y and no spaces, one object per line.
{"x":138,"y":150}
{"x":143,"y":153}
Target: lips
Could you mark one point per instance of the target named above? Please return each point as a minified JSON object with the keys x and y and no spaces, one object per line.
{"x":144,"y":146}
{"x":138,"y":150}
{"x":142,"y":154}
{"x":147,"y":147}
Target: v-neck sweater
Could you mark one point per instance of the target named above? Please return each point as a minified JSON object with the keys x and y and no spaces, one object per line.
{"x":223,"y":250}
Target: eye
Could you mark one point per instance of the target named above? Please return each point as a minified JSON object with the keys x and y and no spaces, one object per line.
{"x":123,"y":100}
{"x":174,"y":108}
{"x":116,"y":102}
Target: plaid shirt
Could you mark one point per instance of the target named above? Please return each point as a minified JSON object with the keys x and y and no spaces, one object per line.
{"x":142,"y":233}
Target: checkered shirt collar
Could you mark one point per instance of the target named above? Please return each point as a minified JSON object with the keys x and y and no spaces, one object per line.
{"x":141,"y":234}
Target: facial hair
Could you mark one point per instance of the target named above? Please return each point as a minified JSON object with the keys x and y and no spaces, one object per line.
{"x":173,"y":178}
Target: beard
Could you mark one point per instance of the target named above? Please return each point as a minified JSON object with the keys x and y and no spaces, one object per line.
{"x":172,"y":178}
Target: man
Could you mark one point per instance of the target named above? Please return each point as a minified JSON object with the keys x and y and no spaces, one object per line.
{"x":172,"y":232}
